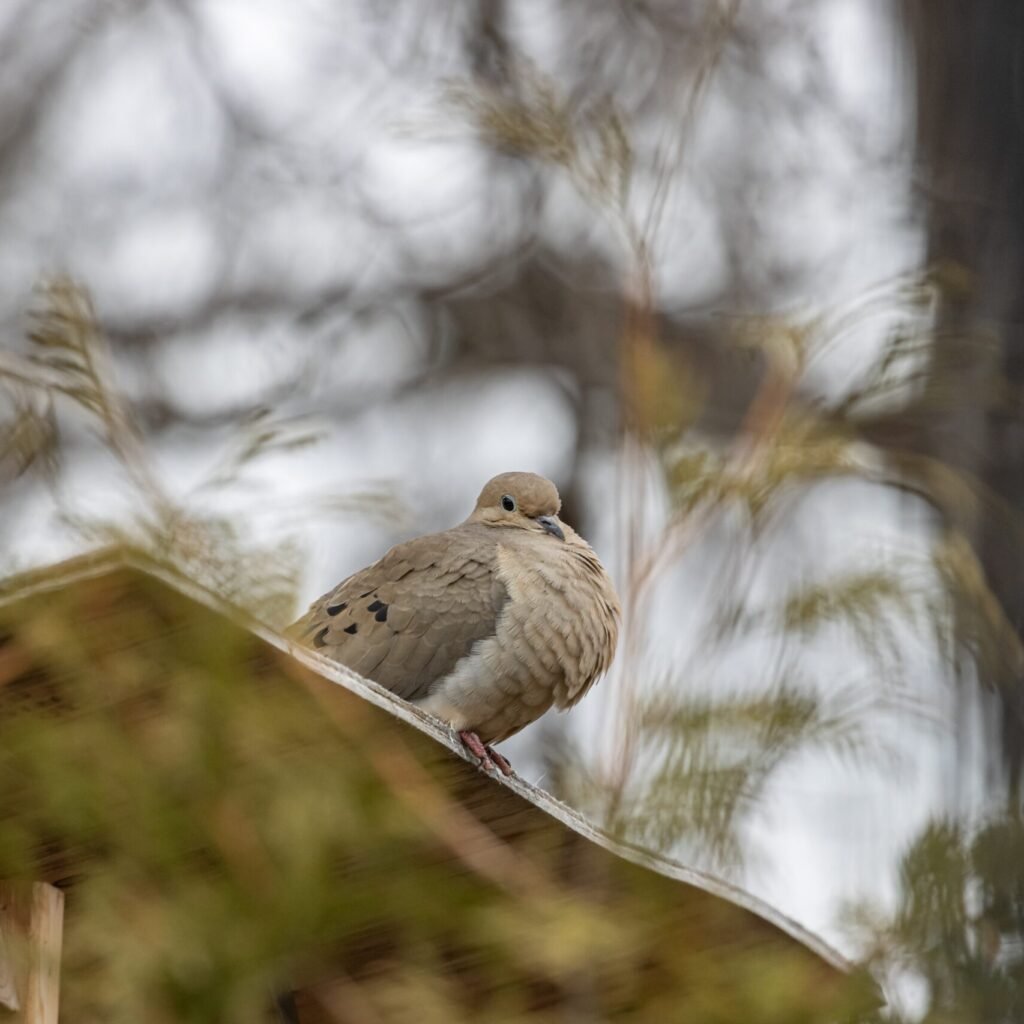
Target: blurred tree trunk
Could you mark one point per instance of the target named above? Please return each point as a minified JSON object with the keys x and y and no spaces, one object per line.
{"x":970,"y":102}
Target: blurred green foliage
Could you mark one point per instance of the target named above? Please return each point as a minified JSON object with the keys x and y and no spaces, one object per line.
{"x":231,"y":827}
{"x":958,"y":933}
{"x":69,"y":368}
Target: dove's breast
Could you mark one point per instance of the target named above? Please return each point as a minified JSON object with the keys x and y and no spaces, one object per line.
{"x":555,"y":635}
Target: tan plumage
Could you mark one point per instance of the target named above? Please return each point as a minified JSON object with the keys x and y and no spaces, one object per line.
{"x":486,"y":625}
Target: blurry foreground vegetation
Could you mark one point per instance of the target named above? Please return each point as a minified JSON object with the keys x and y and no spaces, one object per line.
{"x":232,"y":829}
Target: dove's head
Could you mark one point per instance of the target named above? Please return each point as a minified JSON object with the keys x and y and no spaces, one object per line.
{"x":520,"y":500}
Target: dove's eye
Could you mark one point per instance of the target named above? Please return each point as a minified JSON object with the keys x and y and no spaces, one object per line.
{"x":508,"y":503}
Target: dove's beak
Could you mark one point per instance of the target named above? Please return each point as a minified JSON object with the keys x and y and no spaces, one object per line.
{"x":551,"y":525}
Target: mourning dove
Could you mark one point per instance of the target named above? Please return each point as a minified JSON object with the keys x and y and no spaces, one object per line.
{"x":485,"y":625}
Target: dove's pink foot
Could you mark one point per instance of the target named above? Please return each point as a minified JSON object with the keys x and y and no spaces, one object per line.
{"x":487,"y":756}
{"x":501,"y":762}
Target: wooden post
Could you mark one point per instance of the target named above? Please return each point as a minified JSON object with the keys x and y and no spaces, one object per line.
{"x":31,"y":929}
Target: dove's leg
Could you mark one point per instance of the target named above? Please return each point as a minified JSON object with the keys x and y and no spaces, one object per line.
{"x":475,"y":746}
{"x":487,"y":756}
{"x":501,"y":761}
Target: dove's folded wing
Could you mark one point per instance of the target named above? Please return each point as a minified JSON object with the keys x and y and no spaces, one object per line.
{"x":408,"y":619}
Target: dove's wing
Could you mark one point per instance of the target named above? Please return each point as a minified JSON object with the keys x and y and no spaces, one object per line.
{"x":406,"y":620}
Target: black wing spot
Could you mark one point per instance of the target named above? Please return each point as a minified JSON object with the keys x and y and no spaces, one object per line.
{"x":382,"y":612}
{"x":367,"y":594}
{"x":353,"y":629}
{"x":320,"y":639}
{"x":376,"y":606}
{"x":334,"y":609}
